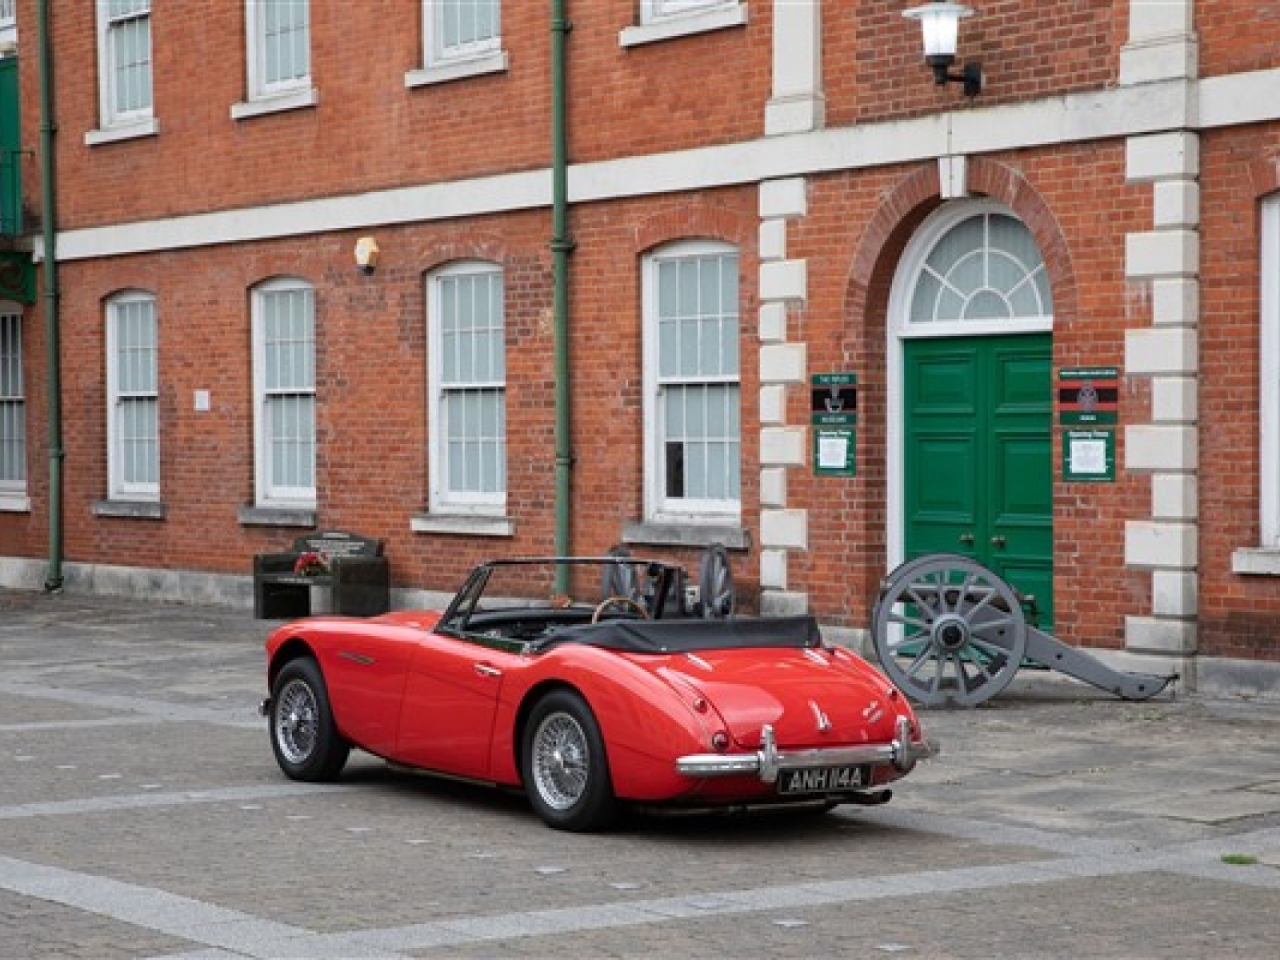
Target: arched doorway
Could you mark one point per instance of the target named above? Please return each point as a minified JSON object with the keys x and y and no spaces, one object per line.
{"x":970,"y":389}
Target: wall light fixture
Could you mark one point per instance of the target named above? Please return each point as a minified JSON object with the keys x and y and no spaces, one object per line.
{"x":940,"y":24}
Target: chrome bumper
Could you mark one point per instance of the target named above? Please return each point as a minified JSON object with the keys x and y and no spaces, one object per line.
{"x":901,"y":753}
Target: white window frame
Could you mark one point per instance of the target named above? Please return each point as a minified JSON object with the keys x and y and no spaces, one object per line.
{"x":668,"y":19}
{"x":1269,"y":369}
{"x":444,"y":500}
{"x":8,"y":26}
{"x":268,"y":96}
{"x":651,"y":10}
{"x":442,"y":63}
{"x":268,"y":494}
{"x":119,"y":484}
{"x":13,"y":492}
{"x":114,"y":122}
{"x":659,"y":508}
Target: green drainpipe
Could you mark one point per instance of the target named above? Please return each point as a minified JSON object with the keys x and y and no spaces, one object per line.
{"x":561,"y":246}
{"x":53,"y":580}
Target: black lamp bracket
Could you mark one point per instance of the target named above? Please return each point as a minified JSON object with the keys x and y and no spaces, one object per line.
{"x":970,"y":76}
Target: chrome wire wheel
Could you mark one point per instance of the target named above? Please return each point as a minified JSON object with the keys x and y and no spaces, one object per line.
{"x":296,"y":722}
{"x":304,"y":737}
{"x":564,"y":763}
{"x":561,"y":761}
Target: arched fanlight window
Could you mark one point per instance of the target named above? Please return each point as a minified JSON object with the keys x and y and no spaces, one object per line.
{"x":986,"y":268}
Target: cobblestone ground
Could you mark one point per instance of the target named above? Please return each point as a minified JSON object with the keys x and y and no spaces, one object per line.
{"x":142,"y":816}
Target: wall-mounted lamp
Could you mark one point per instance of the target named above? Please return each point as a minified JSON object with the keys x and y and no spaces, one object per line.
{"x":940,"y":24}
{"x":367,"y":254}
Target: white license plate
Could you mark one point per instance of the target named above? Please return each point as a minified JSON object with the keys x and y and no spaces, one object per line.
{"x":822,"y":780}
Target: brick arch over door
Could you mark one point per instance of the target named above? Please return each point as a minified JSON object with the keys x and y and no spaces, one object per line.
{"x":906,"y":204}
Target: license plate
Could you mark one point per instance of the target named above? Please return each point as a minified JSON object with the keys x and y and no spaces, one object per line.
{"x":821,"y":780}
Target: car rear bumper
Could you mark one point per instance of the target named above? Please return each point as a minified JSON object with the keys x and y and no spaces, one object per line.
{"x":902,"y":753}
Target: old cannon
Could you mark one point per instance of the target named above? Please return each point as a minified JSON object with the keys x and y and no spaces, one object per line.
{"x":949,"y":631}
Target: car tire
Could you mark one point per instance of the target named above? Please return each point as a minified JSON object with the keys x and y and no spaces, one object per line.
{"x":304,"y":737}
{"x":564,"y":765}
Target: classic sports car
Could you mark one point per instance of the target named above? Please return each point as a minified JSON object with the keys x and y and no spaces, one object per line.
{"x":637,"y":695}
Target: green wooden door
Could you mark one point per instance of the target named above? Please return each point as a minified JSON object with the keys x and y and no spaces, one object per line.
{"x":978,"y":457}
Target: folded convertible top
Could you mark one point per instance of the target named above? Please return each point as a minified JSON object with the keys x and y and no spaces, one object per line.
{"x":685,"y":636}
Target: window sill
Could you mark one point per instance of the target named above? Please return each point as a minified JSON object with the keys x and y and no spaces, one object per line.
{"x":276,"y":103}
{"x":1257,"y":561}
{"x":277,"y":517}
{"x":466,"y":525}
{"x":689,"y":534}
{"x":14,"y":503}
{"x":129,"y":509}
{"x":703,"y":21}
{"x":125,"y":131}
{"x":457,"y":70}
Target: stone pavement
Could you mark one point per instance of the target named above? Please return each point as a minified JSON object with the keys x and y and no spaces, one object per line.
{"x":142,"y":816}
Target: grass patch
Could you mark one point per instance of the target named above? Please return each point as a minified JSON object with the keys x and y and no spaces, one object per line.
{"x":1239,"y":859}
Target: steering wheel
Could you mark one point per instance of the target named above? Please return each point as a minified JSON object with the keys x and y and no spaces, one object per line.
{"x":619,"y":601}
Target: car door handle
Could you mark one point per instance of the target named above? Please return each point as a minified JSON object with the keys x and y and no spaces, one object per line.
{"x":486,"y":670}
{"x":998,"y":542}
{"x":966,"y":539}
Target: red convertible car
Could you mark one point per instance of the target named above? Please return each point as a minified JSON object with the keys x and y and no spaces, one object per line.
{"x":589,"y":684}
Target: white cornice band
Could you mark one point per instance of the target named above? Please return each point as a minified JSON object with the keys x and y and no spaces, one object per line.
{"x":1120,"y":112}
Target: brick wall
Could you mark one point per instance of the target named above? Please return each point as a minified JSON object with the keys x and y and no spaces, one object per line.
{"x":1238,"y":613}
{"x":1237,"y":36}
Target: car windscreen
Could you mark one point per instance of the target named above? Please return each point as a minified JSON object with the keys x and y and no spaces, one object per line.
{"x":564,"y":583}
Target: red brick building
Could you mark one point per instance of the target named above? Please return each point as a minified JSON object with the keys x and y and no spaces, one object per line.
{"x":763,"y":198}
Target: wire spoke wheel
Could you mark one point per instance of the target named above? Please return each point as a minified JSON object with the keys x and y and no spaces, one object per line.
{"x":296,"y":722}
{"x":304,"y":737}
{"x":949,"y":631}
{"x":564,"y":764}
{"x":561,"y":761}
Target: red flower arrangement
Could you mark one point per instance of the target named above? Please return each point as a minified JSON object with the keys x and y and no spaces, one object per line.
{"x":311,"y":564}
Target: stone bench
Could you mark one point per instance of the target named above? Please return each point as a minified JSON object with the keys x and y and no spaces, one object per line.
{"x":358,"y":577}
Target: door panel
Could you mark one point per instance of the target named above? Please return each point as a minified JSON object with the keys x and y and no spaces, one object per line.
{"x":977,"y":456}
{"x":945,"y":507}
{"x":450,"y":701}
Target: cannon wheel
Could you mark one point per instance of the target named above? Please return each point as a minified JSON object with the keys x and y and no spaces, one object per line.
{"x":715,"y":583}
{"x":948,"y":630}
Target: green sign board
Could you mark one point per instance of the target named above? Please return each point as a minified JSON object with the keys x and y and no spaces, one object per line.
{"x":834,"y":415}
{"x":1088,"y":395}
{"x":1089,"y":456}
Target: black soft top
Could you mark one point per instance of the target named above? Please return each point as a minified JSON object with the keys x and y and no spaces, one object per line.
{"x":687,"y":636}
